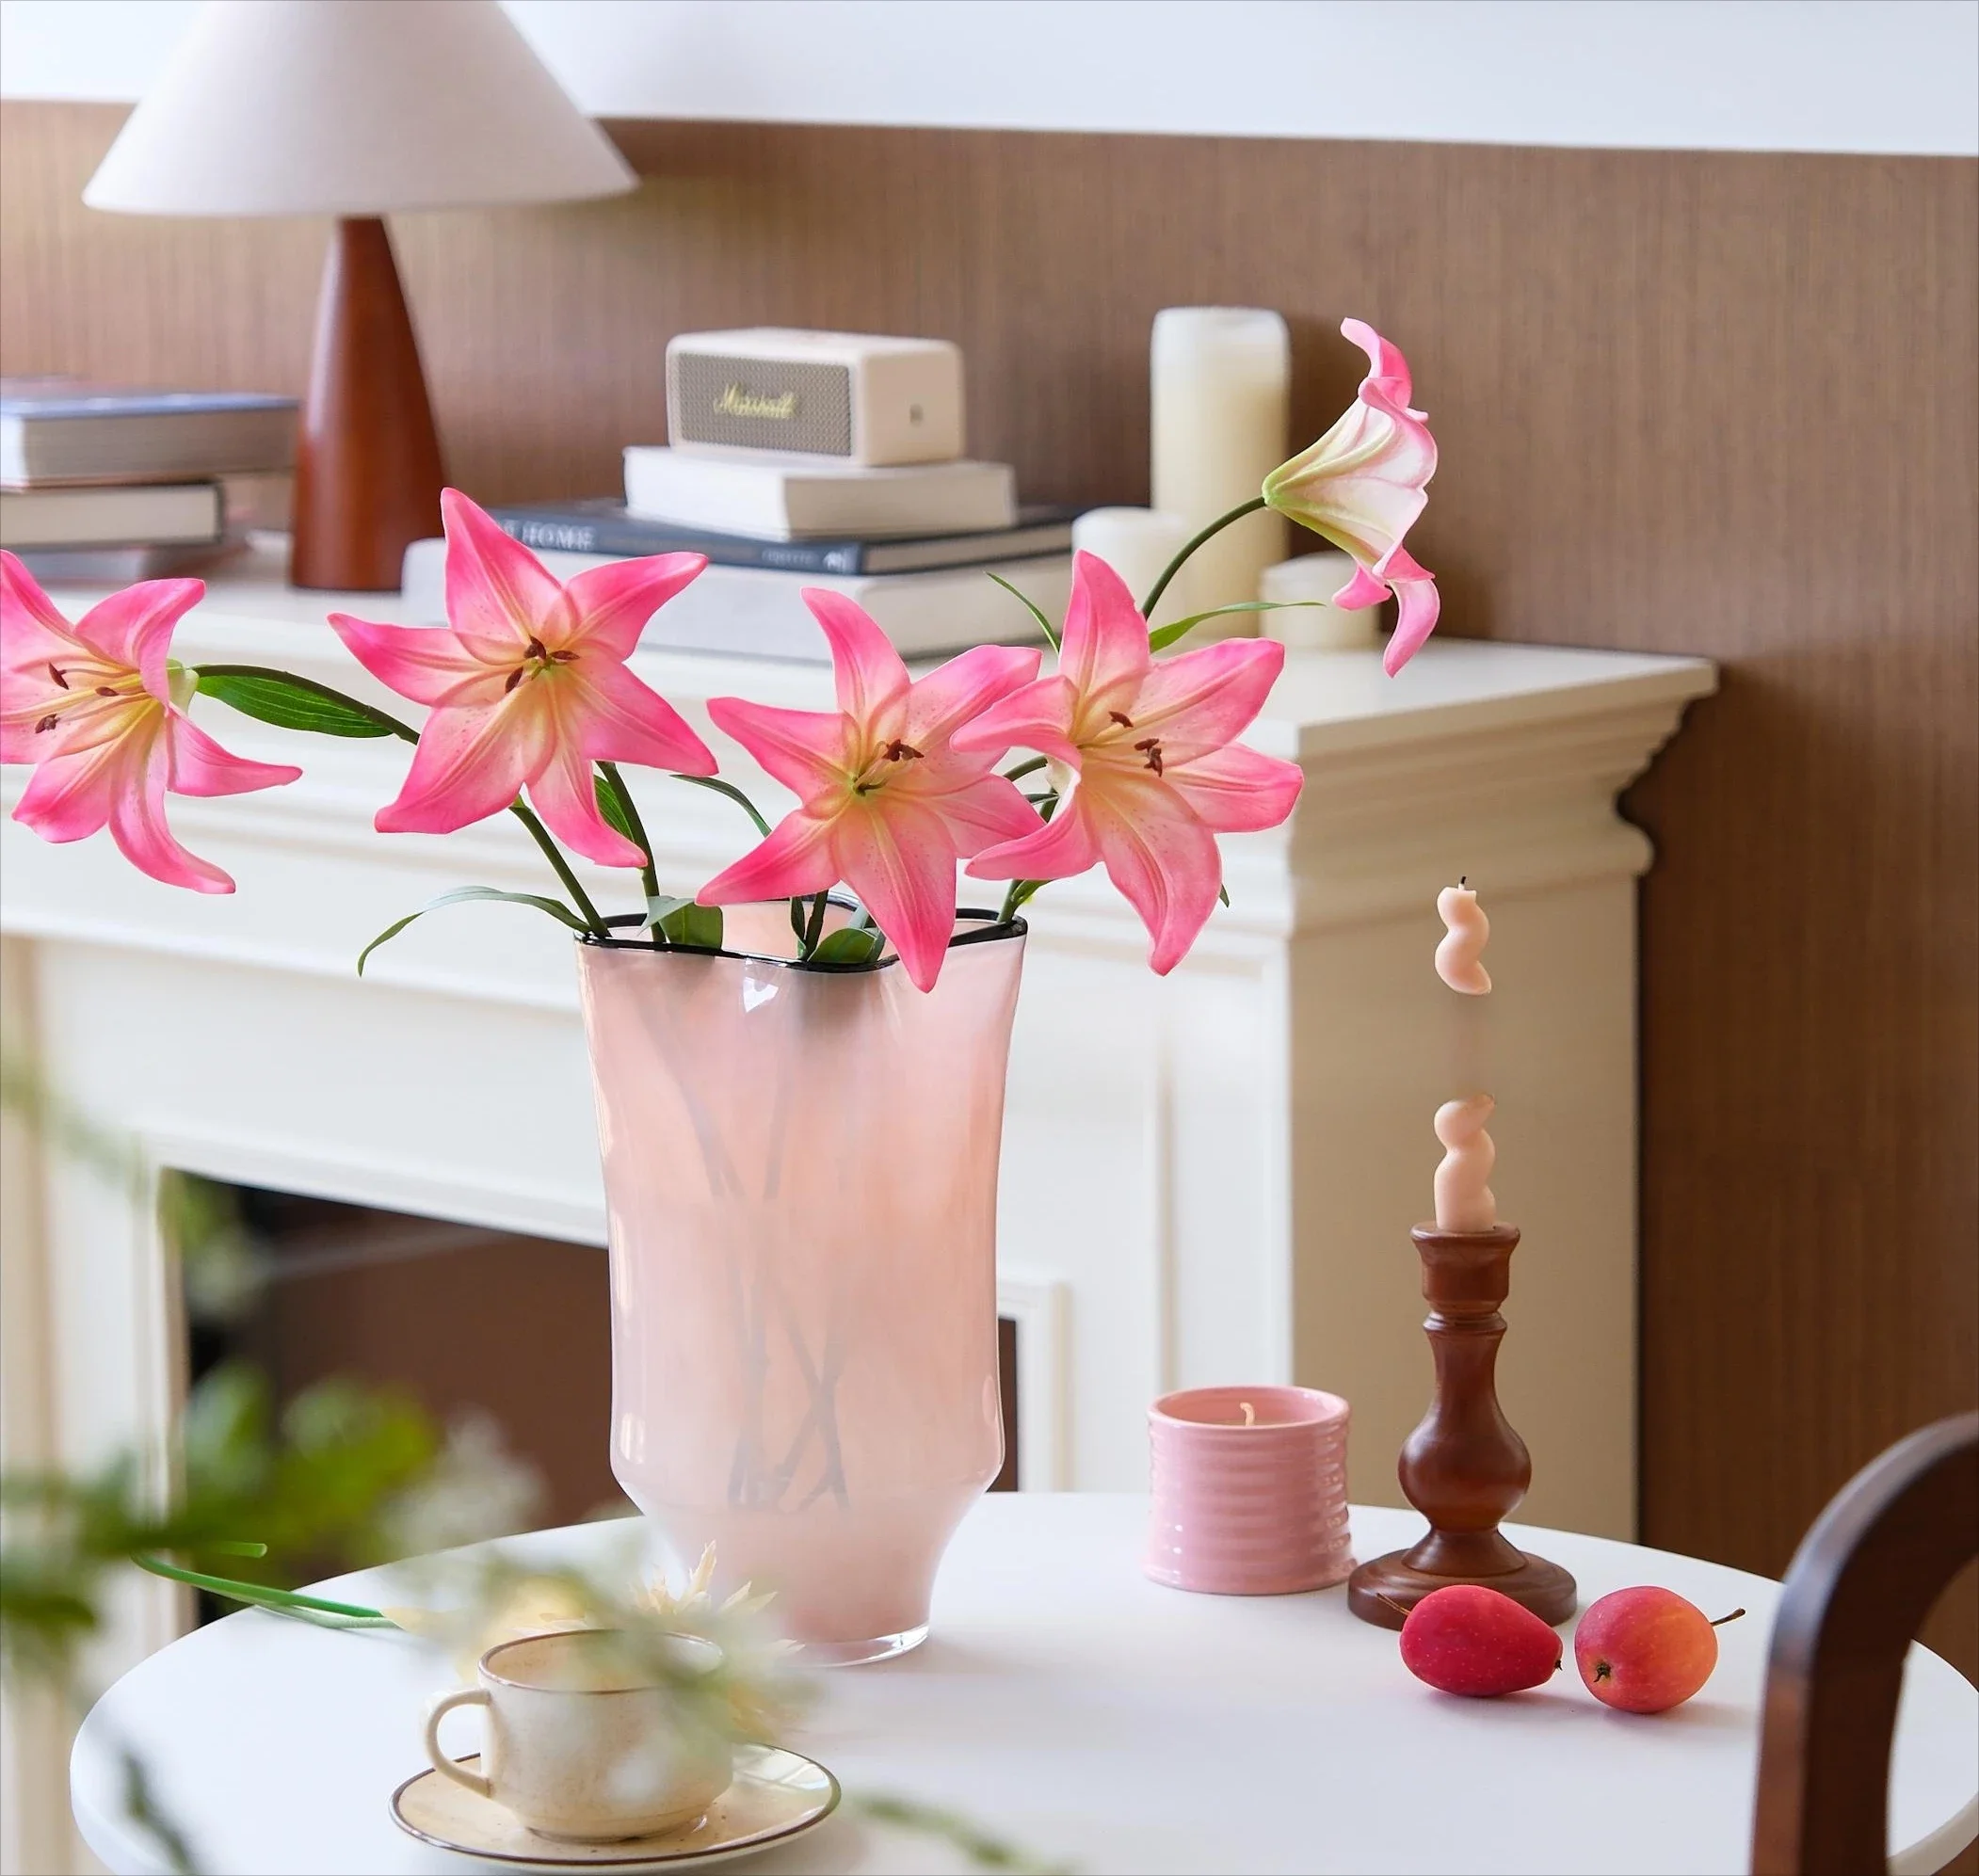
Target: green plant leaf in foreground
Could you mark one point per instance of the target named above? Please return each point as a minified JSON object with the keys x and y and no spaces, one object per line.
{"x":293,"y":703}
{"x":460,"y":895}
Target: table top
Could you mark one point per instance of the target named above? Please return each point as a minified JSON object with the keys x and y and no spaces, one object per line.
{"x":1068,"y":1705}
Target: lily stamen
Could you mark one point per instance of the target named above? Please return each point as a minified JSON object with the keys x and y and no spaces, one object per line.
{"x":55,"y":671}
{"x":1150,"y":747}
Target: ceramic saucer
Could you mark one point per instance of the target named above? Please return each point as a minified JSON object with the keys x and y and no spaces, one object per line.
{"x":776,"y":1795}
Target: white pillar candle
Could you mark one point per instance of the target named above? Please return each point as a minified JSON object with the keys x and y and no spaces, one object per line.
{"x":1307,"y":584}
{"x":1220,"y":382}
{"x":1137,"y":543}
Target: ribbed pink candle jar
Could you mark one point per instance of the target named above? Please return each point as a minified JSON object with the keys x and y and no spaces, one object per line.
{"x":1248,"y":1504}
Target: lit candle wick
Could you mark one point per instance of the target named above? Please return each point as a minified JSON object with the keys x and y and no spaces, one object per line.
{"x":1250,"y":1417}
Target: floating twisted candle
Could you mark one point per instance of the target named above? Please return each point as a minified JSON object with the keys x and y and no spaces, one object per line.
{"x":1458,"y":962}
{"x":1464,"y":1201}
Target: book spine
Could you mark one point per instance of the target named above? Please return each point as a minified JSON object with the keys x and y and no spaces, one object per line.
{"x":589,"y":534}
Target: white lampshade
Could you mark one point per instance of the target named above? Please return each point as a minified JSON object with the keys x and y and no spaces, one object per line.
{"x":353,"y":107}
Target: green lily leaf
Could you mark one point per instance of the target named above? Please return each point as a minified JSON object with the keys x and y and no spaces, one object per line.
{"x":460,"y":895}
{"x":1164,"y":635}
{"x":849,"y":945}
{"x":1044,"y":625}
{"x":682,"y":922}
{"x":613,"y":809}
{"x":293,"y":703}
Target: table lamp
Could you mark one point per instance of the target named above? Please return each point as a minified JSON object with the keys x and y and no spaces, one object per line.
{"x":356,"y":109}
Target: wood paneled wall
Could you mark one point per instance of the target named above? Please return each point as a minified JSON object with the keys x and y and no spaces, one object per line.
{"x":1686,"y":402}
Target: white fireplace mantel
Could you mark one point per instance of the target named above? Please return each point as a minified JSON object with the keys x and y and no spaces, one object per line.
{"x":1206,"y":1178}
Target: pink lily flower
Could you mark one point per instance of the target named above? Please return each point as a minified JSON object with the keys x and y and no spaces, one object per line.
{"x":1152,"y":747}
{"x":528,"y":687}
{"x":100,"y":710}
{"x":887,"y":802}
{"x":1362,"y":486}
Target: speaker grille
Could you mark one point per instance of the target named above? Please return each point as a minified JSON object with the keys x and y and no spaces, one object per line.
{"x":762,"y":403}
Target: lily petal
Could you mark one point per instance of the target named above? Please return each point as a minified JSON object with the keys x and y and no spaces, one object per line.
{"x":428,"y":663}
{"x":1061,"y":848}
{"x":496,"y":589}
{"x":961,"y":690}
{"x":1201,"y":699}
{"x":68,"y":797}
{"x":610,"y":605}
{"x":1160,"y":858}
{"x":1039,"y":716}
{"x":469,"y":764}
{"x":872,"y":680}
{"x":1238,"y":790}
{"x":901,"y":862}
{"x":804,"y":750}
{"x":196,"y":764}
{"x":619,"y":720}
{"x":979,"y":812}
{"x":1104,"y":643}
{"x":1415,"y":620}
{"x":795,"y":860}
{"x":565,"y":795}
{"x":138,"y":826}
{"x":134,"y":628}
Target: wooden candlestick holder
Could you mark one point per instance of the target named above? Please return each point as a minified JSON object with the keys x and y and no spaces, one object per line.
{"x":1463,"y":1467}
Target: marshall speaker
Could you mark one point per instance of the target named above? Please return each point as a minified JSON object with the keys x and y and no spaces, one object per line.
{"x":846,"y":395}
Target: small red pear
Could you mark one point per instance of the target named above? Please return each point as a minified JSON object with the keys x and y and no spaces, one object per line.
{"x":1468,"y":1640}
{"x":1646,"y":1650}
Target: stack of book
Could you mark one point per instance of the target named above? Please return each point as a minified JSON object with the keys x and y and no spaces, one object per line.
{"x":106,"y":483}
{"x":913,"y":544}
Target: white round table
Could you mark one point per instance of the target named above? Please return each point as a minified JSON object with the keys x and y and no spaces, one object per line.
{"x":1065,"y":1702}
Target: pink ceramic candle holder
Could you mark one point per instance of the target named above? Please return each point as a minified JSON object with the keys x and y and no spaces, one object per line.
{"x":1248,"y":1504}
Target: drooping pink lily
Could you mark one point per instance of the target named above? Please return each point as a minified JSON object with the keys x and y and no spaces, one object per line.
{"x":887,"y":802}
{"x":100,"y":710}
{"x":528,"y":687}
{"x":1157,"y":773}
{"x":1362,"y":486}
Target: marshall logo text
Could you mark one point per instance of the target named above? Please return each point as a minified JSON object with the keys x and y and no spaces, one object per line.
{"x":735,"y":401}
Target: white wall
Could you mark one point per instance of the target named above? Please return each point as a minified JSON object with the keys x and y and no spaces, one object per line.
{"x":1872,"y":75}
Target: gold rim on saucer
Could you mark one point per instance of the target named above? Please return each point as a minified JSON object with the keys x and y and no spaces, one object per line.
{"x":776,"y":1795}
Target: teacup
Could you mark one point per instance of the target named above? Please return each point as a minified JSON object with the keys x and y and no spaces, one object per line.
{"x":587,"y":1745}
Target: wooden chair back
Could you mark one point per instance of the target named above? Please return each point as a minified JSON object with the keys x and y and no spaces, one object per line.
{"x":1861,"y":1583}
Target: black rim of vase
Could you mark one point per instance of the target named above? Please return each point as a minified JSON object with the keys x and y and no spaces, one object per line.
{"x":987,"y":928}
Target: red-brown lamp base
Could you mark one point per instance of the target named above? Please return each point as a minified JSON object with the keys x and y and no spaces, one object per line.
{"x":368,"y":473}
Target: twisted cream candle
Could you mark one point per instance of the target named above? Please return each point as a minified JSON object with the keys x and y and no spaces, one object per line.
{"x":1458,"y":959}
{"x":1464,"y":1200}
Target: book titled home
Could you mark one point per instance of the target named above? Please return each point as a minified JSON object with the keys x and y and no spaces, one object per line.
{"x":608,"y":527}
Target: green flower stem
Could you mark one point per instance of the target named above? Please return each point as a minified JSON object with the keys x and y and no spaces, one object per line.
{"x":554,"y":854}
{"x":1018,"y":891}
{"x":1022,"y":769}
{"x":1175,"y":566}
{"x":255,"y":1592}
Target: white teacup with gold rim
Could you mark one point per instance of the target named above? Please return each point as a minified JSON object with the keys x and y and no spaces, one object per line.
{"x":587,"y":1741}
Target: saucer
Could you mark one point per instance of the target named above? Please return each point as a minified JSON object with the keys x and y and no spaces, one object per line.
{"x":776,"y":1795}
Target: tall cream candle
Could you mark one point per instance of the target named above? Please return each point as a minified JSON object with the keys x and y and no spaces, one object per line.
{"x":1137,"y":543}
{"x":1220,"y":385}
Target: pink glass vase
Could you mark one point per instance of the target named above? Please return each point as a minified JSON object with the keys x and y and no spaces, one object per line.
{"x":800,"y":1184}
